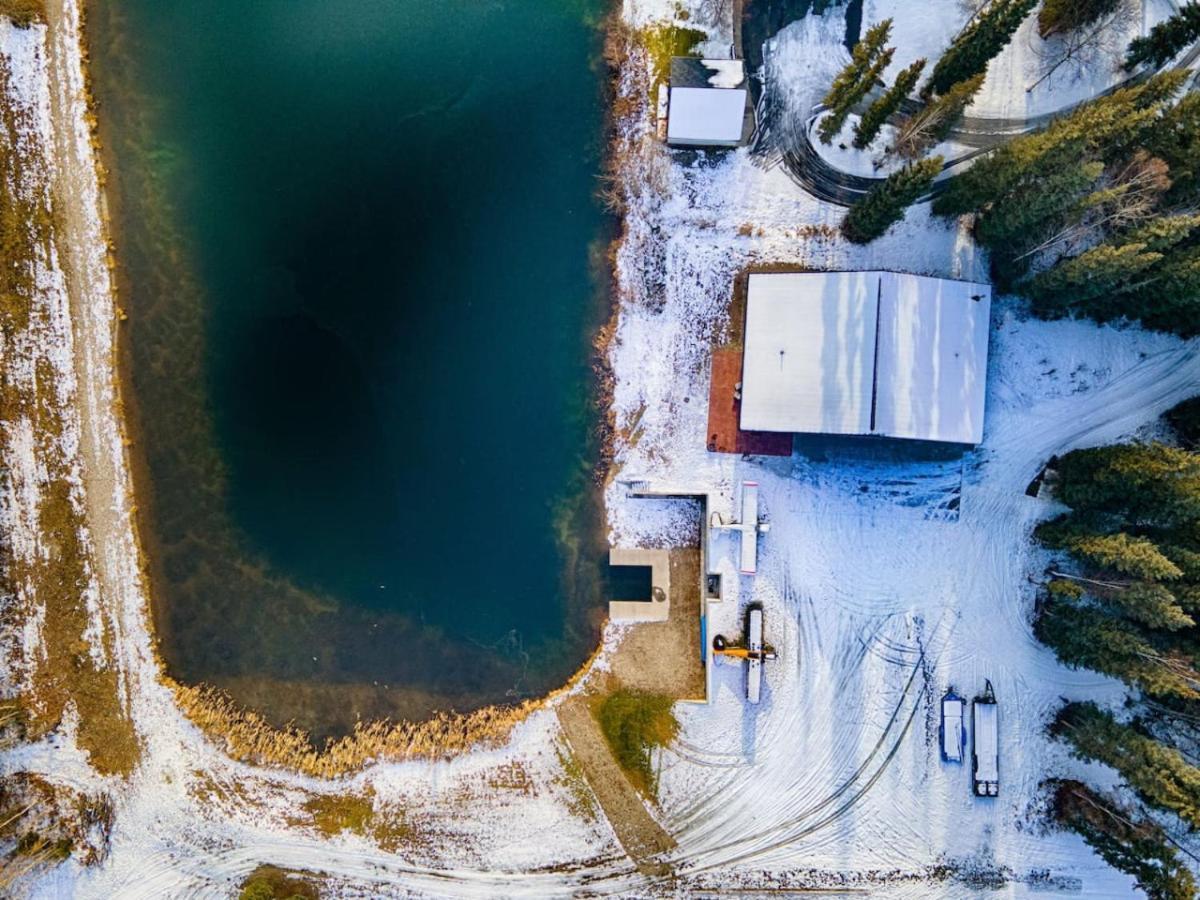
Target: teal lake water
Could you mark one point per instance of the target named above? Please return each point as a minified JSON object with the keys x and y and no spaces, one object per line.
{"x":355,"y":240}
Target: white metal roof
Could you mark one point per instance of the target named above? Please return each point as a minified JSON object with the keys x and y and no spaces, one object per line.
{"x":809,"y":352}
{"x":866,"y":353}
{"x":706,"y":115}
{"x":932,"y":360}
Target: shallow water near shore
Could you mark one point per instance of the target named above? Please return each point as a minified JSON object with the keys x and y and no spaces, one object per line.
{"x":356,"y":245}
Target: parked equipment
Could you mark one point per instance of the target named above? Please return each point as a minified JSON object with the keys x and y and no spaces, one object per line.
{"x":986,"y":757}
{"x":952,"y":731}
{"x":753,"y":650}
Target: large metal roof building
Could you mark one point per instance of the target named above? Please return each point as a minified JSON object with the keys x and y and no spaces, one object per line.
{"x":866,"y":353}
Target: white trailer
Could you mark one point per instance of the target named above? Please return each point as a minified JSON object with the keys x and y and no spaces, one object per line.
{"x":953,"y":734}
{"x":986,"y":756}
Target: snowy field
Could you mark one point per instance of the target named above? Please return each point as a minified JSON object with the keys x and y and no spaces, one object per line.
{"x":882,"y":585}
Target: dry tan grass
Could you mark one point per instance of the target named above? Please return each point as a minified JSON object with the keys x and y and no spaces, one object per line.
{"x":245,"y":735}
{"x":24,"y":12}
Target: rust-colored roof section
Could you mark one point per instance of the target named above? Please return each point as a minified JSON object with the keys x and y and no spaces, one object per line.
{"x":724,"y":412}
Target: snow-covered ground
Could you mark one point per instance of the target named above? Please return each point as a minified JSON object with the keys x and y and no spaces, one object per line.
{"x":883,"y":583}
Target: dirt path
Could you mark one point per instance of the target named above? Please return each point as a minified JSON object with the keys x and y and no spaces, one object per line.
{"x":82,"y":244}
{"x":641,"y":836}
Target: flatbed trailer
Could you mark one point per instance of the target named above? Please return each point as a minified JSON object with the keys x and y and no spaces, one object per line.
{"x":986,"y":733}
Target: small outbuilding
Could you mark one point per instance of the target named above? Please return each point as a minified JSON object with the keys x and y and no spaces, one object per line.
{"x":708,"y":103}
{"x":866,"y":353}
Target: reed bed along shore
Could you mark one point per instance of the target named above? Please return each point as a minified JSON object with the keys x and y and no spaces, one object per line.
{"x":248,"y":737}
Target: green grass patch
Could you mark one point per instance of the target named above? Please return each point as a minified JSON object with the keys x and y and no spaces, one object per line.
{"x":634,"y":723}
{"x":662,"y":41}
{"x":23,"y":12}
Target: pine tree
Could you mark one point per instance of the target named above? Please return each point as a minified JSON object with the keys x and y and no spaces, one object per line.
{"x":865,"y":52}
{"x":836,"y":118}
{"x":1176,"y":140}
{"x":934,"y":122}
{"x":1186,"y":559}
{"x":1163,"y":234}
{"x":875,"y":213}
{"x":1171,"y":300}
{"x":1153,"y":605}
{"x":1060,"y":16}
{"x":881,"y":110}
{"x":977,"y":44}
{"x":1165,"y":39}
{"x":1102,"y":273}
{"x":1090,"y":638}
{"x":1159,"y":774}
{"x":1138,"y":557}
{"x":1048,"y":193}
{"x":1140,"y":272}
{"x":1138,"y":483}
{"x":1136,"y":846}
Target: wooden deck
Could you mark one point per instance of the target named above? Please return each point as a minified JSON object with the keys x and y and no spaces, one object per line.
{"x":724,"y":412}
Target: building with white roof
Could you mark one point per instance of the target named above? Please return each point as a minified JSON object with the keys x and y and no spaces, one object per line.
{"x":865,"y":353}
{"x":708,"y":104}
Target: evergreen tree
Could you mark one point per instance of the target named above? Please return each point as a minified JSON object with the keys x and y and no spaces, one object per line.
{"x":865,"y":52}
{"x":1163,"y":234}
{"x":1136,"y":846}
{"x":1165,"y":39}
{"x":1141,"y":271}
{"x":1186,"y":560}
{"x":977,"y":44}
{"x":1099,"y":274}
{"x":1139,"y":483}
{"x":875,"y":213}
{"x":1126,"y":555}
{"x":1090,"y":638}
{"x":1049,"y":191}
{"x":1153,"y":605}
{"x":836,"y":118}
{"x":881,"y":110}
{"x":1159,"y":774}
{"x":934,"y":122}
{"x":1171,"y":300}
{"x":1060,"y":16}
{"x":1176,"y":140}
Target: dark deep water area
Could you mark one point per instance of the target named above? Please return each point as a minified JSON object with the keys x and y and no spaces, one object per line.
{"x":356,"y":244}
